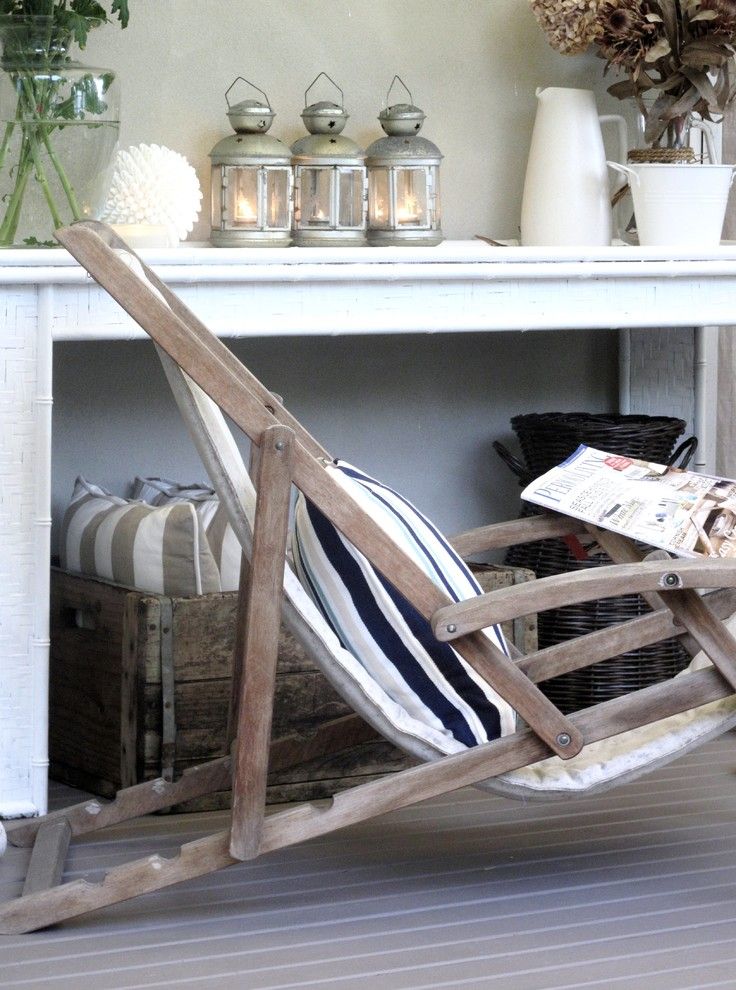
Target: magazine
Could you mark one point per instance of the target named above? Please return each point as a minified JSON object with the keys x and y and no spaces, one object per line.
{"x":685,"y":513}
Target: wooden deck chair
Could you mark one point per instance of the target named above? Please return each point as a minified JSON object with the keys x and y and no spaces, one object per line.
{"x":426,"y":666}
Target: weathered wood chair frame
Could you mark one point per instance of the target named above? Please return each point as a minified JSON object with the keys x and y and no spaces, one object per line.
{"x":288,"y":455}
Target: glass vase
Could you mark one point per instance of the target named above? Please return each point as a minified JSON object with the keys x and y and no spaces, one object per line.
{"x":679,"y":140}
{"x":59,"y":124}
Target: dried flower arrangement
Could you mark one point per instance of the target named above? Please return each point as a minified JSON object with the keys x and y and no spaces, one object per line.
{"x":678,"y":55}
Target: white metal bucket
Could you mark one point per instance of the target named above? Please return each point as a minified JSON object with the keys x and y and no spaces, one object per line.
{"x":681,"y":205}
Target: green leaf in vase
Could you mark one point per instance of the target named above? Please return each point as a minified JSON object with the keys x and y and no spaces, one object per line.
{"x":84,"y":98}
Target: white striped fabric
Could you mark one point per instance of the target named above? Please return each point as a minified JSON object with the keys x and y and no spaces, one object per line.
{"x":159,"y":549}
{"x":221,"y":538}
{"x":391,"y":640}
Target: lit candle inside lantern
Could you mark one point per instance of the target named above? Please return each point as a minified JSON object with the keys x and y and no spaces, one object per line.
{"x":244,"y":210}
{"x":318,"y":217}
{"x":409,"y":212}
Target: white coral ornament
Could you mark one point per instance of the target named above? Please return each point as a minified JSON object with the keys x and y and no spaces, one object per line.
{"x":154,"y":185}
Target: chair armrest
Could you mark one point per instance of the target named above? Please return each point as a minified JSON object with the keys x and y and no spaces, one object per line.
{"x":473,"y":614}
{"x":505,"y":534}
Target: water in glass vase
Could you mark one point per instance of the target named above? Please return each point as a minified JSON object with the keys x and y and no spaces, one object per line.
{"x":76,"y":169}
{"x":58,"y":133}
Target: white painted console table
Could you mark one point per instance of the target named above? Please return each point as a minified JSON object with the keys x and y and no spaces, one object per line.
{"x":457,"y":286}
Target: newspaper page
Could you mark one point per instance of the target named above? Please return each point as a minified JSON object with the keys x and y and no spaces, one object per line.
{"x":685,"y":513}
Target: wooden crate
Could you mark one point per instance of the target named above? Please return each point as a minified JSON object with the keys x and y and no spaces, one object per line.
{"x":140,"y":686}
{"x":522,"y":632}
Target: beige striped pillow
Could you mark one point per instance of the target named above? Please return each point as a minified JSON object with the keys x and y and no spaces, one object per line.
{"x":221,"y":537}
{"x":162,"y":549}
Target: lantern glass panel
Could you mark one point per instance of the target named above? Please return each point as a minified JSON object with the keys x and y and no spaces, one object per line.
{"x":315,"y":197}
{"x":277,"y":197}
{"x":351,"y":197}
{"x":411,"y":198}
{"x":379,"y":193}
{"x":243,"y":196}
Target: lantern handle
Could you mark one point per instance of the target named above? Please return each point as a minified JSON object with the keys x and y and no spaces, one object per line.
{"x":249,"y":83}
{"x":399,"y":79}
{"x":316,"y":79}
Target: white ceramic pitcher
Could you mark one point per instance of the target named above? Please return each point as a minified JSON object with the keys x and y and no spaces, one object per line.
{"x":567,"y":198}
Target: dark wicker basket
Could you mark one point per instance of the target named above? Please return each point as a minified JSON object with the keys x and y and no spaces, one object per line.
{"x":547,"y":439}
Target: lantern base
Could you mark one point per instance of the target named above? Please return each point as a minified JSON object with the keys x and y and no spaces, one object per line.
{"x":411,"y":238}
{"x":329,"y":238}
{"x":250,"y":238}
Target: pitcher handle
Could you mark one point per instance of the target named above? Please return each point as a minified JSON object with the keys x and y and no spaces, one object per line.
{"x":623,"y":134}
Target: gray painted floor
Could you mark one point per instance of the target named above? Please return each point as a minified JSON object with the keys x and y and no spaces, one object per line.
{"x":636,"y":888}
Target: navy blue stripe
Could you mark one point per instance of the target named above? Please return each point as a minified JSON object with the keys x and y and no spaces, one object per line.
{"x":306,"y":579}
{"x":356,"y":475}
{"x":385,"y":636}
{"x":448,"y":663}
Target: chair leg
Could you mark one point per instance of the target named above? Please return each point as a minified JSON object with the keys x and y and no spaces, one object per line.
{"x":47,"y":859}
{"x":260,"y":641}
{"x":47,"y":907}
{"x":360,"y":803}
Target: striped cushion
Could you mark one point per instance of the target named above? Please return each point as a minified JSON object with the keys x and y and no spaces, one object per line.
{"x":391,"y":640}
{"x":159,"y":549}
{"x":221,"y":538}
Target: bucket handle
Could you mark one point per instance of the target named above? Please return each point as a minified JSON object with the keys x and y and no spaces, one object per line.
{"x":630,"y":174}
{"x":710,"y":148}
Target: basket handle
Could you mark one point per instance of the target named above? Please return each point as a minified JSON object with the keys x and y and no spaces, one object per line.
{"x":685,"y":452}
{"x":517,"y":467}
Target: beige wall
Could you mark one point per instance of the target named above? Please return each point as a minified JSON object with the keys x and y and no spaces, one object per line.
{"x":472,"y":66}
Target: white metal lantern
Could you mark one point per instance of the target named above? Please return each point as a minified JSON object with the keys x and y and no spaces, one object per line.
{"x":403,"y":179}
{"x":251,"y":180}
{"x":330,"y":183}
